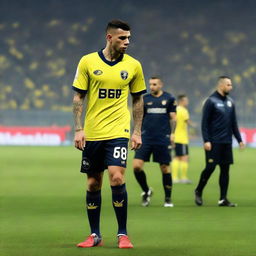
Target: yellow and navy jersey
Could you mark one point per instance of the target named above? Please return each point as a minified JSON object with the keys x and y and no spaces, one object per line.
{"x":107,"y":85}
{"x":181,"y":131}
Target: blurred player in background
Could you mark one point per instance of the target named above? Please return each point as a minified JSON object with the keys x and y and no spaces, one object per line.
{"x":158,"y":128}
{"x":181,"y":139}
{"x":219,"y":123}
{"x":105,"y":78}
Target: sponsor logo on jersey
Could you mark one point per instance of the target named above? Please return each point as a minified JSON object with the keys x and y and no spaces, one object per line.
{"x":97,"y":72}
{"x":118,"y":204}
{"x":150,"y":103}
{"x":229,"y":103}
{"x":156,"y":110}
{"x":220,"y":105}
{"x":164,"y":102}
{"x":124,"y":74}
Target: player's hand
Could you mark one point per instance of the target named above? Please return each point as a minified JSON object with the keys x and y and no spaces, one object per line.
{"x":241,"y":145}
{"x":79,"y":140}
{"x":136,"y":141}
{"x":208,"y":146}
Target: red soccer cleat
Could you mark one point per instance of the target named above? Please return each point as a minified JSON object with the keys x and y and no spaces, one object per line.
{"x":91,"y":241}
{"x":124,"y":242}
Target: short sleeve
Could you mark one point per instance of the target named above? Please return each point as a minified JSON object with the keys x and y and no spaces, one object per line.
{"x":137,"y":85}
{"x":81,"y":80}
{"x":172,"y":105}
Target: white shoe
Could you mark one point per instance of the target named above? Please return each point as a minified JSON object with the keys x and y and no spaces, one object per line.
{"x":185,"y":181}
{"x":168,"y":203}
{"x":146,"y":197}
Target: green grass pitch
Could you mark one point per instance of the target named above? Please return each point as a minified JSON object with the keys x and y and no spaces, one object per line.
{"x":42,"y":212}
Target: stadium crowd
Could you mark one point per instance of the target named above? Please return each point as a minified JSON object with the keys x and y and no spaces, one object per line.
{"x":38,"y":59}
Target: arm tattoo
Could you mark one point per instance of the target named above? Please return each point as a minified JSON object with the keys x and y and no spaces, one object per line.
{"x":173,"y":125}
{"x":78,"y":103}
{"x":138,"y":110}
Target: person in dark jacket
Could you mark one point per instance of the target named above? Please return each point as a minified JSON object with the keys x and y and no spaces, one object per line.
{"x":219,"y":123}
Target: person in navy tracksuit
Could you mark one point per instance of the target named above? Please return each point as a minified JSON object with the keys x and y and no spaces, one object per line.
{"x":219,"y":123}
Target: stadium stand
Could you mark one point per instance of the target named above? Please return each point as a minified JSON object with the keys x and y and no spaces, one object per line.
{"x":188,"y":48}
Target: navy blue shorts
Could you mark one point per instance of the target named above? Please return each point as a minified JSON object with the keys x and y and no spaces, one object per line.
{"x":220,"y":154}
{"x":181,"y":149}
{"x":161,"y":153}
{"x":98,"y":155}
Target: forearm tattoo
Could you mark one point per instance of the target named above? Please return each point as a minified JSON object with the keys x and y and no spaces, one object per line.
{"x":138,"y":111}
{"x":173,"y":125}
{"x":78,"y":103}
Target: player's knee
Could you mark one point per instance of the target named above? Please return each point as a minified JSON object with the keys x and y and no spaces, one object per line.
{"x":117,"y":179}
{"x":94,"y":186}
{"x":165,"y":168}
{"x":137,"y":169}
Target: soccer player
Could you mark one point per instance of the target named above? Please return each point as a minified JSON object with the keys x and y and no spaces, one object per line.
{"x":180,"y":161}
{"x":158,"y":128}
{"x":219,"y":123}
{"x":105,"y":78}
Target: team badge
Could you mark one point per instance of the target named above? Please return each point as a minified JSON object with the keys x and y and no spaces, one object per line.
{"x":92,"y":206}
{"x":118,"y":204}
{"x":97,"y":72}
{"x":164,"y":102}
{"x":229,"y":103}
{"x":86,"y":163}
{"x":124,"y":74}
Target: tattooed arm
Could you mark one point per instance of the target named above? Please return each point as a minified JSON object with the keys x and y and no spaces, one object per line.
{"x":173,"y":122}
{"x":138,"y":109}
{"x":78,"y":103}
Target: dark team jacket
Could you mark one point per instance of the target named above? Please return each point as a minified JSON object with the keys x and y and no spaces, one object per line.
{"x":219,"y":121}
{"x":156,"y":127}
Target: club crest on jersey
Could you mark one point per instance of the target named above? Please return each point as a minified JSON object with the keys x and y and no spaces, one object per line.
{"x":124,"y":74}
{"x":229,"y":103}
{"x":97,"y":72}
{"x":164,"y":102}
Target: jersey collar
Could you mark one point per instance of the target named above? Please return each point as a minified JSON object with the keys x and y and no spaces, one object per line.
{"x":110,"y":63}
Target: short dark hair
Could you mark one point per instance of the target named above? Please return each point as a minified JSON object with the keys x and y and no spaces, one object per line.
{"x":181,"y":96}
{"x":223,"y":77}
{"x":118,"y":24}
{"x":156,"y":77}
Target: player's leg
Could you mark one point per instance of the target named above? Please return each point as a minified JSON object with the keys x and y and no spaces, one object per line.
{"x":227,"y":159}
{"x":119,"y":196}
{"x":94,"y":169}
{"x":212,"y":159}
{"x":224,"y":180}
{"x":175,"y":169}
{"x":116,"y":156}
{"x":167,"y":184}
{"x":139,"y":174}
{"x":184,"y":170}
{"x":204,"y":177}
{"x":162,"y":155}
{"x":176,"y":163}
{"x":142,"y":155}
{"x":120,"y":201}
{"x":93,"y":201}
